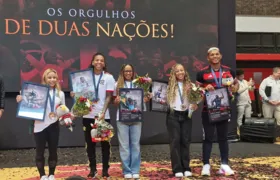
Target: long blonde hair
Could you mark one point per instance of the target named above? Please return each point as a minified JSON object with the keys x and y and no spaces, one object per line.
{"x":44,"y":78}
{"x":120,"y":82}
{"x":172,"y":89}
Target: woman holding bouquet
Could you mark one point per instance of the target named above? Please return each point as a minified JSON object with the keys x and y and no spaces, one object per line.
{"x":128,"y":133}
{"x":179,"y":125}
{"x":103,"y":89}
{"x":47,"y":131}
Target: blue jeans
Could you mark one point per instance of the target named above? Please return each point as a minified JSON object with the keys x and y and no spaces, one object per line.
{"x":129,"y":146}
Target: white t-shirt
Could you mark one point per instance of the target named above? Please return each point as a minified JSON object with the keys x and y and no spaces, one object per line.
{"x":177,"y":105}
{"x":59,"y":99}
{"x":275,"y":88}
{"x":107,"y":83}
{"x":128,"y":84}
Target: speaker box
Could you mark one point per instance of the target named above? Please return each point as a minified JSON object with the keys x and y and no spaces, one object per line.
{"x":258,"y":130}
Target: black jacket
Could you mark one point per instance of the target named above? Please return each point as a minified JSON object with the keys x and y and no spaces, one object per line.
{"x":2,"y":93}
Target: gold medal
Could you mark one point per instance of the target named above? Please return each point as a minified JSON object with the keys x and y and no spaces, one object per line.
{"x":52,"y":116}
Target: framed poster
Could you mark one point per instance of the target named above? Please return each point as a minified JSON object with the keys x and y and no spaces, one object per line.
{"x":82,"y":83}
{"x":218,"y":105}
{"x":159,"y":101}
{"x":34,"y":101}
{"x":131,"y":105}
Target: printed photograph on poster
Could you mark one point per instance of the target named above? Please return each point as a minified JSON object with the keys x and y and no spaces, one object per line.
{"x":159,"y":100}
{"x":82,"y":83}
{"x":131,"y":105}
{"x":218,"y":105}
{"x":34,"y":101}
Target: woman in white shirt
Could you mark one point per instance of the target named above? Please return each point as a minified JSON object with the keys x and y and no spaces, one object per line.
{"x":179,"y":126}
{"x":129,"y":133}
{"x":47,"y":131}
{"x":103,"y":89}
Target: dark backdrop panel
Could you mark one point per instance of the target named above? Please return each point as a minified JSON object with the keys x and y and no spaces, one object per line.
{"x":227,"y":44}
{"x":66,"y":50}
{"x":197,"y":33}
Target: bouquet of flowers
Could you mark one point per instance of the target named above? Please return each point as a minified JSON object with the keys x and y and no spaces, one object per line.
{"x":195,"y":95}
{"x":82,"y":106}
{"x":143,"y":82}
{"x":101,"y":131}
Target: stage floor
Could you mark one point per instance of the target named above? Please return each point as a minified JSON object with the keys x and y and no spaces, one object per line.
{"x":250,"y":160}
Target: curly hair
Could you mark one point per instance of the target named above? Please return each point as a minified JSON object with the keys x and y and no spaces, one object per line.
{"x":120,"y":82}
{"x":173,"y":85}
{"x":94,"y":56}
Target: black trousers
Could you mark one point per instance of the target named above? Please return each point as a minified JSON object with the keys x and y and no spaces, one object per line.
{"x":91,"y":147}
{"x":49,"y":135}
{"x":222,"y":133}
{"x":277,"y":131}
{"x":179,"y":128}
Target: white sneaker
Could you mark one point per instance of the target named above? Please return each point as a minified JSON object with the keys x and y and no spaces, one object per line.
{"x":51,"y":177}
{"x":44,"y":178}
{"x":205,"y":170}
{"x":178,"y":175}
{"x":136,"y":176}
{"x":127,"y":176}
{"x":225,"y":170}
{"x":187,"y":173}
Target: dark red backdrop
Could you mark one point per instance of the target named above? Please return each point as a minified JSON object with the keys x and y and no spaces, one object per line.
{"x":196,"y":27}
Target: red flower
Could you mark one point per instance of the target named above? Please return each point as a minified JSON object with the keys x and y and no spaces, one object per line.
{"x":82,"y":99}
{"x":141,"y":80}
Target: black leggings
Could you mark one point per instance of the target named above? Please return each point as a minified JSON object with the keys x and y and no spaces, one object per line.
{"x":91,"y":147}
{"x":49,"y":135}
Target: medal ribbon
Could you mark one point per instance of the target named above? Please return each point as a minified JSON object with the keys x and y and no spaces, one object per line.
{"x":180,"y":94}
{"x":125,"y":85}
{"x":52,"y":100}
{"x":96,"y":87}
{"x":218,"y":83}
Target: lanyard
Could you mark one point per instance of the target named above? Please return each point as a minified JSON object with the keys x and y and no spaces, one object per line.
{"x":125,"y":85}
{"x":218,"y":82}
{"x":96,"y":87}
{"x":52,"y":100}
{"x":180,"y":94}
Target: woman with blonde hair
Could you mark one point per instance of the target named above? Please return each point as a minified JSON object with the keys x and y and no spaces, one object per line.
{"x":47,"y":131}
{"x":179,"y":125}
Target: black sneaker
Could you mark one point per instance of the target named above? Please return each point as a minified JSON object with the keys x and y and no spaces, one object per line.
{"x":105,"y":174}
{"x":92,"y":174}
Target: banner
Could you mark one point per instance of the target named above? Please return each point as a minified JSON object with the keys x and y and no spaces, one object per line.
{"x":153,"y":35}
